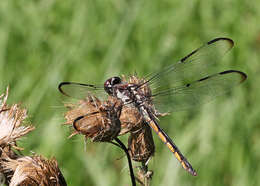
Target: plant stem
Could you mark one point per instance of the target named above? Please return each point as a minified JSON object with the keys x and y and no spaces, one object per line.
{"x":129,"y":161}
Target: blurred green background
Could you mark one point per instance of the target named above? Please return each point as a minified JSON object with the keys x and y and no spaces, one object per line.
{"x":44,"y":42}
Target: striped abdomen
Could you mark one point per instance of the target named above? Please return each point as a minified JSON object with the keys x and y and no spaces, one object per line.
{"x":150,"y":119}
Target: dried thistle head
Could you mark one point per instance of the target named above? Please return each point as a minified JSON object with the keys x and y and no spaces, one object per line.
{"x":95,"y":119}
{"x":16,"y":169}
{"x":35,"y":170}
{"x":131,"y":120}
{"x":141,"y":145}
{"x":11,"y":118}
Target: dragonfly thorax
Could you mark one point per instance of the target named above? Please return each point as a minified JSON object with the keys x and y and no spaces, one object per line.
{"x":123,"y":95}
{"x":128,"y":93}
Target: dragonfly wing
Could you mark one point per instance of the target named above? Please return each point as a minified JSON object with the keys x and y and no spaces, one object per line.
{"x":197,"y":92}
{"x":198,"y":64}
{"x":80,"y":90}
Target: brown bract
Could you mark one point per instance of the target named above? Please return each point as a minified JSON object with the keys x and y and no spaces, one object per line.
{"x":131,"y":120}
{"x":141,"y":145}
{"x":95,"y":119}
{"x":11,"y":119}
{"x":18,"y":169}
{"x":11,"y":128}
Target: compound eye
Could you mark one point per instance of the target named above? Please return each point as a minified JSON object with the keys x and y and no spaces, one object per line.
{"x":115,"y":80}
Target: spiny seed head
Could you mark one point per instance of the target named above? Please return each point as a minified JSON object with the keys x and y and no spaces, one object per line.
{"x":95,"y":119}
{"x":11,"y":119}
{"x":35,"y":170}
{"x":17,"y":169}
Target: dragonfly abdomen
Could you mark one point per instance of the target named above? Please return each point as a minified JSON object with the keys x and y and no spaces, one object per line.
{"x":150,"y":119}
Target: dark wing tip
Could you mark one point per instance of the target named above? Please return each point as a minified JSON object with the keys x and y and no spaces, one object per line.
{"x":230,"y":41}
{"x":60,"y":87}
{"x":243,"y":75}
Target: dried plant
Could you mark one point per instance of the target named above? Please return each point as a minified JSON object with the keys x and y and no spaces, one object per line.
{"x":35,"y":170}
{"x":19,"y":169}
{"x":131,"y":120}
{"x":144,"y":176}
{"x":11,"y":119}
{"x":141,"y":144}
{"x":141,"y":149}
{"x":96,"y":120}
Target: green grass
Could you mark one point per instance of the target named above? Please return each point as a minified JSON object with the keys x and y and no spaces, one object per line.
{"x":45,"y":42}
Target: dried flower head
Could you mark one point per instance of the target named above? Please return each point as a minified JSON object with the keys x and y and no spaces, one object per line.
{"x":35,"y":170}
{"x":17,"y":169}
{"x":131,"y":119}
{"x":97,"y":120}
{"x":141,"y":145}
{"x":11,"y":118}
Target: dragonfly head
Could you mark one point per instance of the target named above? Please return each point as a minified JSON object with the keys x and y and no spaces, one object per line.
{"x":110,"y":83}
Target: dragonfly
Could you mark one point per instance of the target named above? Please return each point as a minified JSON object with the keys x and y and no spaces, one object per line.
{"x":188,"y":83}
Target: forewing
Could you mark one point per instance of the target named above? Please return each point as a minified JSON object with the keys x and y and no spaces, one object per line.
{"x":198,"y":64}
{"x":80,"y":90}
{"x":197,"y":92}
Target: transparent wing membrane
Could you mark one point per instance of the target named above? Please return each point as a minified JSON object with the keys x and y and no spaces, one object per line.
{"x":80,"y":90}
{"x":198,"y":92}
{"x":198,"y":64}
